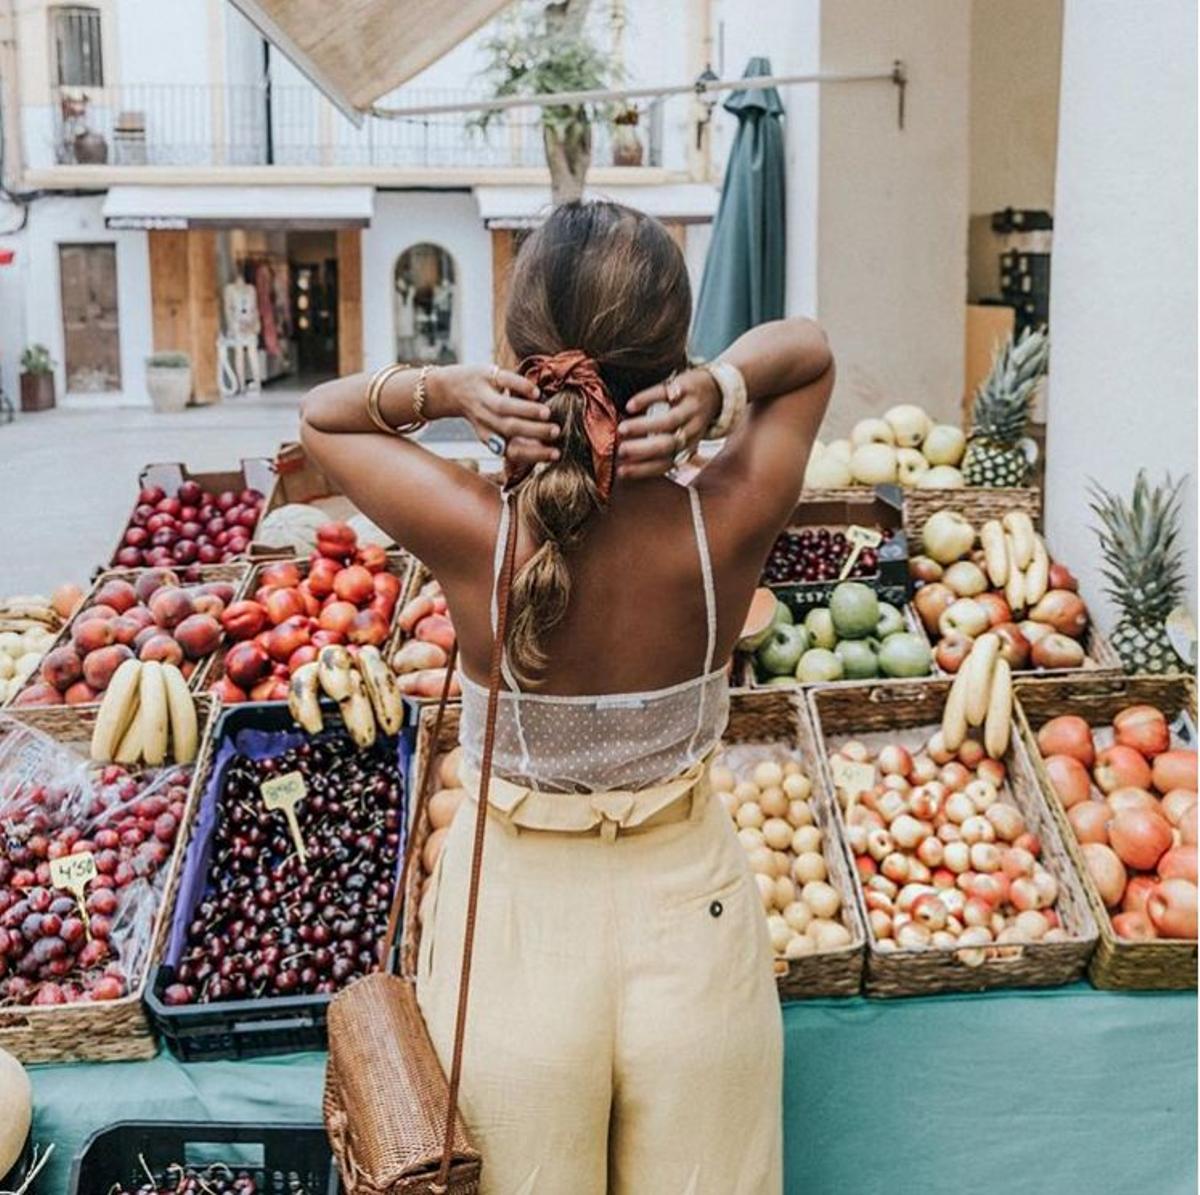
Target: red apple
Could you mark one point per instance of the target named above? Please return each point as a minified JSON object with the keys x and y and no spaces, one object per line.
{"x":1143,"y":728}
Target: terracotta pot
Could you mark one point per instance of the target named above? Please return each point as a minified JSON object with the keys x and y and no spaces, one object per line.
{"x":37,"y":391}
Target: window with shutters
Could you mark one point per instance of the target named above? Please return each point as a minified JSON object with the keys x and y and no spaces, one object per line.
{"x":78,"y":59}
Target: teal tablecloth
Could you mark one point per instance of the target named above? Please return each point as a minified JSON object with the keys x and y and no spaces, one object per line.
{"x":1042,"y":1093}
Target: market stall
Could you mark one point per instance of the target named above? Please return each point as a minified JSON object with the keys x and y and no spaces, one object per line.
{"x":1082,"y":1093}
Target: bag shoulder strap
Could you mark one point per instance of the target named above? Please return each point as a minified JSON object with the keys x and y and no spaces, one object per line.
{"x":508,"y":533}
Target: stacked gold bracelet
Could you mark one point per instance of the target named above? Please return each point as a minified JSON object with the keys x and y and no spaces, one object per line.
{"x":379,"y":379}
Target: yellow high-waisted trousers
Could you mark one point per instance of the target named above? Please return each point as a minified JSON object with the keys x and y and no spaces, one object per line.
{"x":624,"y":1033}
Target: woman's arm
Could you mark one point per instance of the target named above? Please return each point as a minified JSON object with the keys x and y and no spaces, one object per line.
{"x":443,"y":513}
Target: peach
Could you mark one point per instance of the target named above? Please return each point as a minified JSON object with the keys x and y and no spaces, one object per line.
{"x":302,"y":655}
{"x":437,"y":628}
{"x":221,"y":589}
{"x":120,"y":595}
{"x":287,"y":638}
{"x":387,"y":585}
{"x":243,"y":620}
{"x":170,"y":606}
{"x":66,"y":599}
{"x":283,"y":575}
{"x":312,"y":603}
{"x":61,"y":667}
{"x":198,"y":635}
{"x":246,"y":664}
{"x":323,"y":638}
{"x":282,"y":604}
{"x":338,"y":616}
{"x":208,"y":603}
{"x":80,"y":693}
{"x":145,"y":635}
{"x":126,"y":628}
{"x":372,"y":557}
{"x":99,"y":610}
{"x":93,"y":634}
{"x":321,"y":575}
{"x":225,"y":690}
{"x":354,"y":584}
{"x":270,"y":689}
{"x":39,"y":694}
{"x":161,"y":646}
{"x":368,"y":627}
{"x":99,"y":666}
{"x":153,"y":579}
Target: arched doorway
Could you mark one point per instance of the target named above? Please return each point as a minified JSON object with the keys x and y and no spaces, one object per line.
{"x":426,"y":305}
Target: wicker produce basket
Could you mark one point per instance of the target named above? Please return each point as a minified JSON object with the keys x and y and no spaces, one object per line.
{"x":1160,"y":964}
{"x":399,"y":563}
{"x":754,"y":717}
{"x":235,"y":572}
{"x":780,"y":716}
{"x":109,"y":1031}
{"x":908,"y":712}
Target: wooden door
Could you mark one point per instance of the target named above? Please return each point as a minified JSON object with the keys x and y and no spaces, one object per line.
{"x":91,"y":325}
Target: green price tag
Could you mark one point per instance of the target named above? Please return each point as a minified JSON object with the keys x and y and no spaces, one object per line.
{"x":284,"y":793}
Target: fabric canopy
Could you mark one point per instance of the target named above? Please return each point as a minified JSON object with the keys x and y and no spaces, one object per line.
{"x":743,"y":281}
{"x":238,"y":207}
{"x":358,"y":50}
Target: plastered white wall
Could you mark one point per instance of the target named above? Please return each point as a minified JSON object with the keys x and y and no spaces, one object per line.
{"x":449,"y":219}
{"x":1122,"y":387}
{"x":892,"y":206}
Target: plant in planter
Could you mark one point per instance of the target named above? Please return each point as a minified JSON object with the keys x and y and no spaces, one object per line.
{"x":37,"y":379}
{"x":169,"y":380}
{"x":539,"y":51}
{"x":627,"y":149}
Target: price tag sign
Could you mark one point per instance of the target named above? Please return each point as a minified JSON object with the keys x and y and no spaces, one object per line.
{"x":852,"y":777}
{"x":74,"y":873}
{"x":858,"y":538}
{"x":285,"y":793}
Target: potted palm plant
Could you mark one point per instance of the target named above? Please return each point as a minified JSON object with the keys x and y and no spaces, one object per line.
{"x":169,"y":380}
{"x":37,"y":379}
{"x":542,"y":49}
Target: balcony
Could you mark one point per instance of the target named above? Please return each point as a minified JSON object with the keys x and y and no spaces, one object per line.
{"x":194,"y":126}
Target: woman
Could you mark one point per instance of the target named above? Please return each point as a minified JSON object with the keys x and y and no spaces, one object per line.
{"x":624,"y":1033}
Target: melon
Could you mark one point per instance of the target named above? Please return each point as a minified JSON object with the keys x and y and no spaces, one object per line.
{"x":16,"y":1110}
{"x":760,"y":620}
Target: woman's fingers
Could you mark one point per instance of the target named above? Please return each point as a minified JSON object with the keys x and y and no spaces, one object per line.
{"x":654,"y":468}
{"x":654,"y":424}
{"x":646,"y":448}
{"x":522,"y":451}
{"x":514,"y":383}
{"x":645,"y":399}
{"x":513,"y":417}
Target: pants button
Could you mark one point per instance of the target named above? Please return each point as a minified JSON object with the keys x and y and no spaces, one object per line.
{"x":716,"y":908}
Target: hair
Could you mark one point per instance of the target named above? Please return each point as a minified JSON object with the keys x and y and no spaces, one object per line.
{"x":610,"y":281}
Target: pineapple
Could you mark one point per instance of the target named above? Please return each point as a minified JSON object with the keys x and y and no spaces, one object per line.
{"x":995,"y":456}
{"x":1144,"y":570}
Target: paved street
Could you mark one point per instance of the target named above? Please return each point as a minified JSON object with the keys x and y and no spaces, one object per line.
{"x":68,"y":479}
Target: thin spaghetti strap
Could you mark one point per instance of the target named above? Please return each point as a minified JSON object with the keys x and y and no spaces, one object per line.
{"x":710,"y":593}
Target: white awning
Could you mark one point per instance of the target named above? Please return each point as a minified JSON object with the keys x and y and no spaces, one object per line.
{"x":239,"y":207}
{"x":525,"y":207}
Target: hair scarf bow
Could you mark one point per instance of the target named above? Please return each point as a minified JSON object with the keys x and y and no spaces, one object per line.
{"x":575,"y":369}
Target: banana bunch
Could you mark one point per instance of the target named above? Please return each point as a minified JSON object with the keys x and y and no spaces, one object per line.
{"x":981,"y":695}
{"x":146,"y":708}
{"x":1016,"y":560}
{"x":363,"y":686}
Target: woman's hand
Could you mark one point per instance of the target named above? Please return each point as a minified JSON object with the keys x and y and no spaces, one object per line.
{"x":497,"y":403}
{"x":650,"y":443}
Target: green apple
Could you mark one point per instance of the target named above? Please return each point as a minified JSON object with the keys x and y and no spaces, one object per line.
{"x":783,"y":614}
{"x":819,"y":625}
{"x":905,"y":654}
{"x":858,"y":660}
{"x":890,"y":621}
{"x":780,"y":681}
{"x":855,"y":610}
{"x":782,"y":651}
{"x":817,"y":665}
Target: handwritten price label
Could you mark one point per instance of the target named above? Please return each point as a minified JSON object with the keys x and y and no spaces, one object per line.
{"x":852,"y":777}
{"x":74,"y":873}
{"x":284,"y":793}
{"x":858,"y":538}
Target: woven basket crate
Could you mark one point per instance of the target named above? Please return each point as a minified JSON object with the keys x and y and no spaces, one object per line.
{"x":890,"y":708}
{"x":1116,"y":964}
{"x":426,"y":753}
{"x":399,"y":564}
{"x":780,"y":716}
{"x":977,"y":503}
{"x":116,"y":1030}
{"x":235,"y":572}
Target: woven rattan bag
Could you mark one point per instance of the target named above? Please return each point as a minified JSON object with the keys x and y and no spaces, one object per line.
{"x":391,"y":1114}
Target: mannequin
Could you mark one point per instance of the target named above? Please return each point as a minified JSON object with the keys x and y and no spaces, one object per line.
{"x":242,"y":326}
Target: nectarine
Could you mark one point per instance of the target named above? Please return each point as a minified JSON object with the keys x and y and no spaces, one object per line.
{"x":99,"y":666}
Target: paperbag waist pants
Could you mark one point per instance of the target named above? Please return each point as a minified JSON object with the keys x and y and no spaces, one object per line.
{"x":624,"y":1033}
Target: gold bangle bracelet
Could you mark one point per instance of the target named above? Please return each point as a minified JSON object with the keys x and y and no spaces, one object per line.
{"x":375,"y":387}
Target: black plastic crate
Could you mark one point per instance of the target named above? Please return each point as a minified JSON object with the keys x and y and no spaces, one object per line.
{"x":262,"y":1026}
{"x":283,"y":1159}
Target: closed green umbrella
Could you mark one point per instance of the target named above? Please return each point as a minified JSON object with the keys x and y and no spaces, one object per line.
{"x":743,"y":273}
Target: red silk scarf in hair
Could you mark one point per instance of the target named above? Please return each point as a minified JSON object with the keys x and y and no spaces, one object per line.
{"x":577,"y":370}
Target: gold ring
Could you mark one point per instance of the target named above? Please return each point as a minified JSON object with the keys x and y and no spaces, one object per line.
{"x":671,"y":386}
{"x":496,"y":375}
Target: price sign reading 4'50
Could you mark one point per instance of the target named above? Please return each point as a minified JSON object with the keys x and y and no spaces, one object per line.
{"x":285,"y":793}
{"x":859,"y":538}
{"x":74,"y":873}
